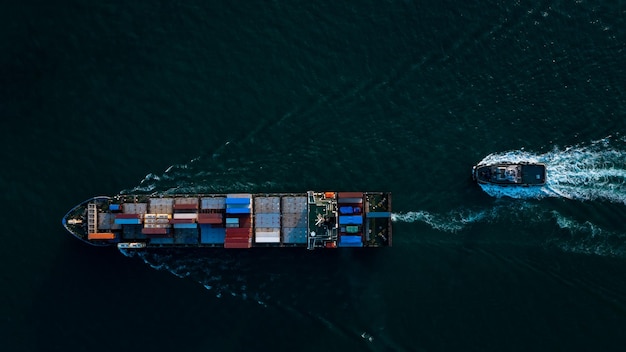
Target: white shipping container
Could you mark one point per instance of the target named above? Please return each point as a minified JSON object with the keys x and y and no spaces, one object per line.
{"x":185,"y":215}
{"x":267,"y":234}
{"x":267,"y":240}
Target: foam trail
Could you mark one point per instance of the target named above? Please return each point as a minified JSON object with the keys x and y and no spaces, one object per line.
{"x":457,"y":220}
{"x":576,"y":237}
{"x":221,"y":275}
{"x":584,"y":172}
{"x":437,"y":222}
{"x":588,"y":238}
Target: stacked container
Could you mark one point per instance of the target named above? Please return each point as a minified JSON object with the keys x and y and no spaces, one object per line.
{"x":267,"y":220}
{"x":184,"y":220}
{"x":211,"y":220}
{"x":350,"y":219}
{"x":156,"y":224}
{"x":238,"y":221}
{"x":294,"y":218}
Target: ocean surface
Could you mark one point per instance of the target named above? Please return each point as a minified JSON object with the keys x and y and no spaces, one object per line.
{"x":103,"y":97}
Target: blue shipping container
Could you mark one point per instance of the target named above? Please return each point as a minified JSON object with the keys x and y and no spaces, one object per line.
{"x":114,"y":207}
{"x":345,"y":210}
{"x":350,"y":241}
{"x":351,"y":220}
{"x":237,"y":210}
{"x":212,"y":235}
{"x":230,"y":201}
{"x":267,"y":220}
{"x":294,"y":234}
{"x":127,"y":221}
{"x":185,"y":226}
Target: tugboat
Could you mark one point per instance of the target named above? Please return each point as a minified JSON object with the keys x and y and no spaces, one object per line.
{"x":522,"y":174}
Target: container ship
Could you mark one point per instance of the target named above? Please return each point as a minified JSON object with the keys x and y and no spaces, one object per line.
{"x":239,"y":220}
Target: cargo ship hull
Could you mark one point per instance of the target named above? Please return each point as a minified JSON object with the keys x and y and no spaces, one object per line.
{"x":239,"y":220}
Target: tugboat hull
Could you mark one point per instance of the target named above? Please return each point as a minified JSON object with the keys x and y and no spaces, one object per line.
{"x":510,"y":174}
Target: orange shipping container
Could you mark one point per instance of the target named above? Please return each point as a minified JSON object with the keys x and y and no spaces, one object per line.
{"x":101,"y":236}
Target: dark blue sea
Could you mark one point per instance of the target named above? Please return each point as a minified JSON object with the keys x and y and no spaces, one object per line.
{"x":108,"y":97}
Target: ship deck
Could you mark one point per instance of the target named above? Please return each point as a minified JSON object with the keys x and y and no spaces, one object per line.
{"x":511,"y":174}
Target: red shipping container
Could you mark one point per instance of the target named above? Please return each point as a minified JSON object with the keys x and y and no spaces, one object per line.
{"x":210,"y":218}
{"x":245,"y":221}
{"x":154,"y":231}
{"x":182,"y":221}
{"x":350,"y":195}
{"x":127,"y":216}
{"x":237,"y":245}
{"x":237,"y":231}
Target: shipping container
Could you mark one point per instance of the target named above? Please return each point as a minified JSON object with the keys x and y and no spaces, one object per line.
{"x":211,"y":218}
{"x":238,"y":232}
{"x":185,"y":215}
{"x":267,"y":235}
{"x":349,"y":210}
{"x":212,"y":235}
{"x":350,"y":195}
{"x":267,"y":205}
{"x":182,"y":221}
{"x":138,"y":208}
{"x":236,"y":210}
{"x":237,"y":201}
{"x":239,"y":195}
{"x":213,"y":203}
{"x":127,"y":216}
{"x":350,"y":241}
{"x":267,"y":240}
{"x":185,"y":226}
{"x":267,"y":220}
{"x":232,"y":221}
{"x":295,"y":220}
{"x":101,"y":236}
{"x":155,"y":231}
{"x":134,"y":221}
{"x":115,"y":207}
{"x":293,"y":204}
{"x":352,"y":229}
{"x":350,"y":220}
{"x":294,"y":235}
{"x":237,"y":245}
{"x":350,"y":201}
{"x":186,"y":235}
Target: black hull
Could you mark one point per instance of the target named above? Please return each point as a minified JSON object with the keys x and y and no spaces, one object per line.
{"x":510,"y":174}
